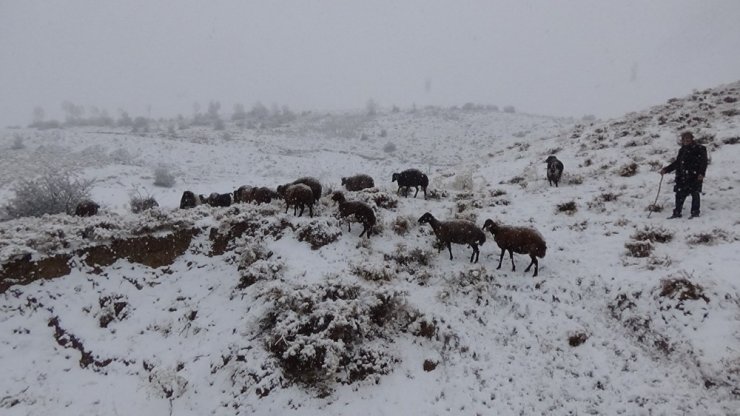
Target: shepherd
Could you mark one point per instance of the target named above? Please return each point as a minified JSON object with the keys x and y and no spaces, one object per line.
{"x":690,"y":166}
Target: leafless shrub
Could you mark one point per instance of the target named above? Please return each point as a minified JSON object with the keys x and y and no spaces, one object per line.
{"x":628,"y":170}
{"x":385,"y":201}
{"x":682,"y":289}
{"x":17,"y":142}
{"x":653,"y":234}
{"x":140,"y":202}
{"x":567,"y":207}
{"x":573,"y":179}
{"x":599,"y":201}
{"x":53,"y":193}
{"x":639,"y":248}
{"x":163,"y":177}
{"x":319,"y":233}
{"x":577,"y":339}
{"x":409,"y":261}
{"x":257,"y":264}
{"x":323,"y":334}
{"x":122,"y":156}
{"x":373,"y":272}
{"x":401,"y":225}
{"x":709,"y":238}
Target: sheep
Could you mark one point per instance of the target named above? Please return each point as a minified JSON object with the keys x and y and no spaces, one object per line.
{"x":456,"y":231}
{"x":358,"y":182}
{"x":190,"y":200}
{"x":243,"y":194}
{"x":86,"y":209}
{"x":312,"y":183}
{"x":264,"y":194}
{"x":521,"y":240}
{"x":409,"y":178}
{"x":362,"y":211}
{"x":298,"y":194}
{"x":219,"y":200}
{"x":248,"y":194}
{"x":554,"y":170}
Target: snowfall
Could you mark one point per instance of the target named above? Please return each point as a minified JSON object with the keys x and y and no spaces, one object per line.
{"x":631,"y":313}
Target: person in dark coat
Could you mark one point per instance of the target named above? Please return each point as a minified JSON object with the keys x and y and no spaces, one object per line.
{"x":690,"y":166}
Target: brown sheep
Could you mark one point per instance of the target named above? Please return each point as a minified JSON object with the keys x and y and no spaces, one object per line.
{"x":358,"y":182}
{"x":521,"y":240}
{"x":248,"y":194}
{"x":86,"y":209}
{"x":409,"y":178}
{"x":298,"y":195}
{"x":243,"y":194}
{"x":312,"y":183}
{"x":362,"y":212}
{"x":456,"y":231}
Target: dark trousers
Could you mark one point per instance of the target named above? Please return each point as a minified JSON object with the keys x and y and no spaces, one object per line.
{"x":681,"y":197}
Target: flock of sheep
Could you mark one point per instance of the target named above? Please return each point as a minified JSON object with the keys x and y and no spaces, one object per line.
{"x":305,"y":192}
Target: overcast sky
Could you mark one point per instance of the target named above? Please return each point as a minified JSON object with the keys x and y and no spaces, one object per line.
{"x":567,"y":57}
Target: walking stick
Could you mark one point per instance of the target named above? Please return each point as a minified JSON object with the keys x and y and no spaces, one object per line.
{"x":652,"y":207}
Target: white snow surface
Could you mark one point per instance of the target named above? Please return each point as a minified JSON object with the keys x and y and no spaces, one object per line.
{"x":189,"y":341}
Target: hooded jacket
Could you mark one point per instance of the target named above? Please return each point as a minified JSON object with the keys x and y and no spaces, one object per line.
{"x":689,"y":164}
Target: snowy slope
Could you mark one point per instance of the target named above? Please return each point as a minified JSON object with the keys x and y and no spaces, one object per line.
{"x":387,"y":325}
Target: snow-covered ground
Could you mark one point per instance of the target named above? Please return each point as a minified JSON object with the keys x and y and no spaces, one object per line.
{"x":386,"y":325}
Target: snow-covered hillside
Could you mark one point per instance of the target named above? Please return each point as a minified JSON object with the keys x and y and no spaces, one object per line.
{"x":266,"y":313}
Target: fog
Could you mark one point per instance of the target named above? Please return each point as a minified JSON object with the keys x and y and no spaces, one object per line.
{"x":563,"y":58}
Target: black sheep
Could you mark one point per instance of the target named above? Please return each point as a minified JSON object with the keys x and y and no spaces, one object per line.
{"x":554,"y":170}
{"x":219,"y":200}
{"x":358,"y":182}
{"x":409,"y":178}
{"x":86,"y":209}
{"x":190,"y":200}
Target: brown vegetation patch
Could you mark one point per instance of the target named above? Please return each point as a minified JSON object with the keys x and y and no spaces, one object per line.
{"x":639,"y":248}
{"x":653,"y":234}
{"x":577,"y":339}
{"x":567,"y":207}
{"x":628,"y":170}
{"x":682,"y":289}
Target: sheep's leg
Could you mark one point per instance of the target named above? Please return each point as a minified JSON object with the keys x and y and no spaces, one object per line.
{"x":287,"y":206}
{"x":417,"y":191}
{"x":501,"y":258}
{"x":310,"y":210}
{"x":475,"y":254}
{"x":425,"y":192}
{"x":449,"y":247}
{"x":534,"y":261}
{"x":302,"y":208}
{"x":511,"y":254}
